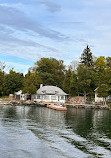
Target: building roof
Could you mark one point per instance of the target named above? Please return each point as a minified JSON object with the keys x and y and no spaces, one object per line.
{"x":19,"y":92}
{"x":96,"y":89}
{"x":46,"y":90}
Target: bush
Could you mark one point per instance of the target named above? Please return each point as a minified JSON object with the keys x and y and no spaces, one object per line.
{"x":109,"y":105}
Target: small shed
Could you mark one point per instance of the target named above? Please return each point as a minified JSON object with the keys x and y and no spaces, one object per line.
{"x":19,"y":96}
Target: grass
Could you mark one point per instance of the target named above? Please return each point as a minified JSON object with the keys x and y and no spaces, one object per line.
{"x":5,"y":98}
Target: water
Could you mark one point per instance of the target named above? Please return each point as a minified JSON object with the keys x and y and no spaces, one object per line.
{"x":36,"y":132}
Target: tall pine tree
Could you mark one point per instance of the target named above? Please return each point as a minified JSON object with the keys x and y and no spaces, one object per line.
{"x":86,"y":57}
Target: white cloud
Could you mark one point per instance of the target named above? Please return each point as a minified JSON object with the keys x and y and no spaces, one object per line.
{"x":17,"y":67}
{"x":61,"y":29}
{"x":52,"y":6}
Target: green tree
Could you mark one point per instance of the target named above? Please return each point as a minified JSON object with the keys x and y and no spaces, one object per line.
{"x":74,"y":85}
{"x":108,"y":62}
{"x":51,"y":71}
{"x":2,"y":75}
{"x":100,"y":67}
{"x":66,"y":82}
{"x":86,"y":57}
{"x":1,"y":81}
{"x":103,"y":73}
{"x":103,"y":92}
{"x":108,"y":70}
{"x":13,"y":82}
{"x":100,"y":64}
{"x":31,"y":82}
{"x":86,"y":80}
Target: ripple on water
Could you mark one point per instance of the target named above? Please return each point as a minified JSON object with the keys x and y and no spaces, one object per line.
{"x":44,"y":133}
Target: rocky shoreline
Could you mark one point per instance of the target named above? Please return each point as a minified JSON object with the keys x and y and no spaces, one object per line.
{"x":88,"y":106}
{"x":20,"y":103}
{"x":33,"y":103}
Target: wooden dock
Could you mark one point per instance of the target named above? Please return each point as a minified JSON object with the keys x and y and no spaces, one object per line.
{"x":56,"y":107}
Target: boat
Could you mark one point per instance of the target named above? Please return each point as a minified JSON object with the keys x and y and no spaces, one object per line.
{"x":56,"y":107}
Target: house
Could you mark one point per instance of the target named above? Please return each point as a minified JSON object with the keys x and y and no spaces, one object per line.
{"x":100,"y":99}
{"x":19,"y":96}
{"x":50,"y":94}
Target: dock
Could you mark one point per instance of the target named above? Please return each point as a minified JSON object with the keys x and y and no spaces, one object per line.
{"x":56,"y":107}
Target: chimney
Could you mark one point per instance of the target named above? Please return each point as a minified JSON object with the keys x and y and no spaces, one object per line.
{"x":41,"y":85}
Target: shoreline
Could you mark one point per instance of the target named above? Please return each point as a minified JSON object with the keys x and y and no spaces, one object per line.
{"x":33,"y":103}
{"x":88,"y":106}
{"x":24,"y":103}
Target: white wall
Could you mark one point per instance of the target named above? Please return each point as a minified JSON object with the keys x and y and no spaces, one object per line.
{"x":98,"y":99}
{"x":50,"y":98}
{"x":22,"y":97}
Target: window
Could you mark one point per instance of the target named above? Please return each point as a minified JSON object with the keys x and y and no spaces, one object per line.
{"x":62,"y":97}
{"x":38,"y":96}
{"x":46,"y":97}
{"x":53,"y":97}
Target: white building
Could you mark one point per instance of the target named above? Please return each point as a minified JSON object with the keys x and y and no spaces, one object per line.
{"x":19,"y":96}
{"x":50,"y":94}
{"x":100,"y":99}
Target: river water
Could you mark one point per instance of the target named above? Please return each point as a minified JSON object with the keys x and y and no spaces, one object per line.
{"x":39,"y":132}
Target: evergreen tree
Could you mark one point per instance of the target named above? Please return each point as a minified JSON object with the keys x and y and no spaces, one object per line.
{"x":86,"y":57}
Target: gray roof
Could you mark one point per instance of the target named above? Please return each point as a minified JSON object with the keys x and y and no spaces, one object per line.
{"x":45,"y":90}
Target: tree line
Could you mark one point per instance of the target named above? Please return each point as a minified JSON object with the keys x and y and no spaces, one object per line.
{"x":79,"y":79}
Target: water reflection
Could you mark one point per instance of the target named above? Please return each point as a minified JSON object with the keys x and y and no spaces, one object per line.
{"x":10,"y":112}
{"x":80,"y":121}
{"x":89,"y":124}
{"x":45,"y":133}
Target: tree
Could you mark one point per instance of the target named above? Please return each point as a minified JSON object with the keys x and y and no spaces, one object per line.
{"x":74,"y":85}
{"x":2,"y":75}
{"x":100,"y":64}
{"x":66,"y":82}
{"x":51,"y":71}
{"x":13,"y":82}
{"x":1,"y":82}
{"x":73,"y":66}
{"x":103,"y":73}
{"x":31,"y":82}
{"x":86,"y":80}
{"x":103,"y":92}
{"x":108,"y":71}
{"x":86,"y":57}
{"x":2,"y":66}
{"x":108,"y":62}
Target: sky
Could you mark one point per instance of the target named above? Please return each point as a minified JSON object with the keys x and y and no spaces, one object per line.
{"x":32,"y":29}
